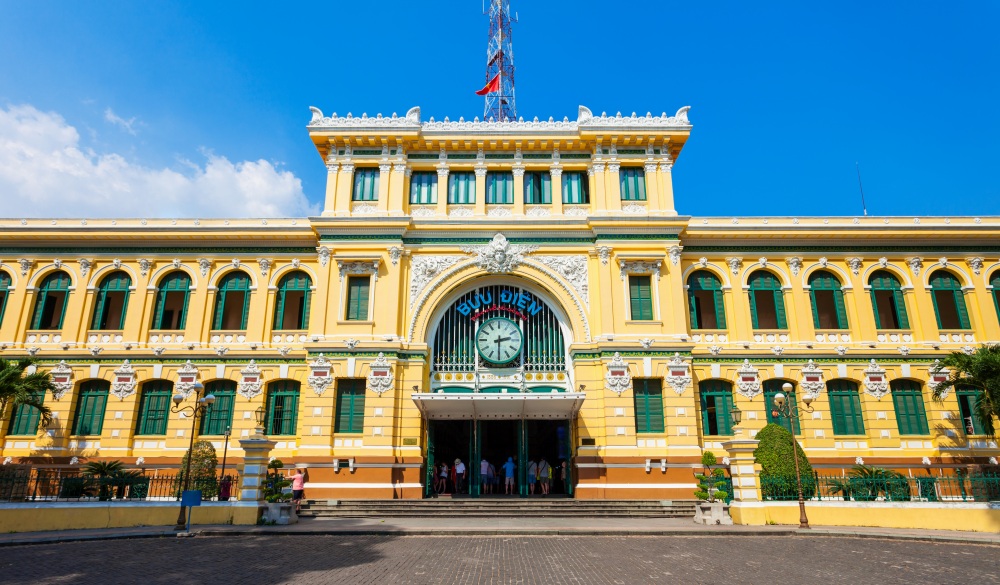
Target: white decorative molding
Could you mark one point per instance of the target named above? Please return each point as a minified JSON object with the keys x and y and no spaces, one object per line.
{"x":627,"y":267}
{"x":823,"y":261}
{"x":351,"y":343}
{"x":423,"y":269}
{"x":144,"y":265}
{"x":460,"y":212}
{"x":734,"y":265}
{"x":777,"y":350}
{"x":575,"y":211}
{"x":25,"y":265}
{"x":618,"y":377}
{"x":499,"y":212}
{"x":221,"y":351}
{"x":423,"y":211}
{"x":124,"y":383}
{"x":284,"y":350}
{"x":812,"y":380}
{"x":94,"y":351}
{"x":296,"y":263}
{"x":604,"y":253}
{"x":634,"y":208}
{"x":794,"y":264}
{"x":395,"y":253}
{"x":117,"y":263}
{"x":903,"y":350}
{"x":976,"y":264}
{"x":715,"y":349}
{"x":158,"y":351}
{"x":646,"y":343}
{"x":938,"y":375}
{"x":251,"y":383}
{"x":883,"y":262}
{"x":57,"y":263}
{"x":855,"y":265}
{"x":841,"y":350}
{"x":364,"y":209}
{"x":748,"y":380}
{"x":678,"y":374}
{"x":916,"y":264}
{"x":319,"y":374}
{"x":675,"y":254}
{"x":499,"y":256}
{"x":876,"y":383}
{"x":85,"y":265}
{"x":62,"y":379}
{"x":571,"y":268}
{"x":380,"y":375}
{"x":205,"y":265}
{"x":859,"y":460}
{"x":323,"y":254}
{"x":538,"y":211}
{"x":265,"y":266}
{"x":349,"y":267}
{"x":702,"y":262}
{"x":176,"y":262}
{"x":968,"y":350}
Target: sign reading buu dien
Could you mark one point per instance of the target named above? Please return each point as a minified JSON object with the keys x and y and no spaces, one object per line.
{"x":520,"y":303}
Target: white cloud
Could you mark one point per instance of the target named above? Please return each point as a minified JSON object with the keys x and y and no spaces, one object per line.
{"x":45,"y":172}
{"x":126,"y":125}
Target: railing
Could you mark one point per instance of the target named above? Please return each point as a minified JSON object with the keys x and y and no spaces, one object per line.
{"x":890,"y":488}
{"x":53,"y":485}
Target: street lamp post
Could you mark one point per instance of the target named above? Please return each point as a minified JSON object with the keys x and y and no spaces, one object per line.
{"x":196,"y":410}
{"x":786,"y":408}
{"x":225,"y":450}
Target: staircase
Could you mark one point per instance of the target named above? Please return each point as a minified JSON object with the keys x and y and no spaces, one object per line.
{"x":497,"y":508}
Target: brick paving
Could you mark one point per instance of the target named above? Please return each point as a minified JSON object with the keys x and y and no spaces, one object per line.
{"x":309,"y":559}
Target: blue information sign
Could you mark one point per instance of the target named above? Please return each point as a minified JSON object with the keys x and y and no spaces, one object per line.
{"x":191,"y":498}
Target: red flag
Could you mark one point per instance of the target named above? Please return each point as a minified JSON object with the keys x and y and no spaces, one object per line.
{"x":492,"y":86}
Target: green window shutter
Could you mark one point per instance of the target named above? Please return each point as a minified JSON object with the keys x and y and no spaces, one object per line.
{"x":911,"y":417}
{"x":25,"y":419}
{"x":219,"y":415}
{"x":500,"y":188}
{"x":878,"y":319}
{"x":720,"y":309}
{"x":897,"y":296}
{"x":995,"y":283}
{"x":161,"y":299}
{"x":220,"y":302}
{"x":967,"y":398}
{"x":306,"y":300}
{"x":779,"y":308}
{"x":279,"y":310}
{"x":815,"y":311}
{"x":845,"y":408}
{"x":753,"y":310}
{"x":4,"y":292}
{"x":693,"y":310}
{"x":90,"y":405}
{"x":648,"y":396}
{"x":282,"y":407}
{"x":350,"y":406}
{"x":461,"y":188}
{"x":640,"y":297}
{"x":838,"y":300}
{"x":365,"y":185}
{"x":716,"y":399}
{"x":963,"y":312}
{"x":574,"y":188}
{"x":633,"y":184}
{"x":357,"y":298}
{"x":772,"y":387}
{"x":423,"y":188}
{"x":154,"y":407}
{"x":246,"y":310}
{"x":95,"y":322}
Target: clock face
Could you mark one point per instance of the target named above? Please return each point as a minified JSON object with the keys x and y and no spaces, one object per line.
{"x":499,"y":340}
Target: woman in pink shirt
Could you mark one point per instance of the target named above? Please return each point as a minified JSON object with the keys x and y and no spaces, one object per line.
{"x":298,"y":487}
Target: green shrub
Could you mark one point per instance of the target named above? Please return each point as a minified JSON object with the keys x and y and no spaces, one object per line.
{"x":275,"y":483}
{"x":868,"y":483}
{"x":711,"y":482}
{"x":774,"y":454}
{"x":203,"y":464}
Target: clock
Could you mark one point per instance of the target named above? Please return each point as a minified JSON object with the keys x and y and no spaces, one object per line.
{"x":499,"y":340}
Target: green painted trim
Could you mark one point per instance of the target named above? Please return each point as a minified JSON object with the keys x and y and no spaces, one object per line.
{"x":840,"y":247}
{"x":124,"y":251}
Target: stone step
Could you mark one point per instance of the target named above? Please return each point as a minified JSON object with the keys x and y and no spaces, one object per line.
{"x":499,"y":508}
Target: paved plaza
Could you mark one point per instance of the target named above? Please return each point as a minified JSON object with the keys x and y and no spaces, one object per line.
{"x":307,"y":559}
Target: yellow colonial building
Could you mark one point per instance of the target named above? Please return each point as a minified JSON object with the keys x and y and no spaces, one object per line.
{"x":491,"y":290}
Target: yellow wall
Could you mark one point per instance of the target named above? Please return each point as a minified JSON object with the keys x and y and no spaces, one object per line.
{"x":913,"y":515}
{"x":80,"y":516}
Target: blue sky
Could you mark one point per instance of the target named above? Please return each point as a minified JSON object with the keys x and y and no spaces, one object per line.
{"x":199,"y":108}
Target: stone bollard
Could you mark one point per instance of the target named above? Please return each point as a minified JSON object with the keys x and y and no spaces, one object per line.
{"x":746,"y":507}
{"x":257,"y":451}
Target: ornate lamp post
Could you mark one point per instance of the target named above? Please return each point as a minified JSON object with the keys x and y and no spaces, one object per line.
{"x":195,"y":410}
{"x":225,"y":451}
{"x":737,"y":415}
{"x":786,"y":408}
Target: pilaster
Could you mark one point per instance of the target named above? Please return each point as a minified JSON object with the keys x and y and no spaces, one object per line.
{"x":442,"y":202}
{"x":345,"y":181}
{"x":745,"y":471}
{"x":330,"y":205}
{"x":384,"y":175}
{"x":557,"y":204}
{"x":518,"y":172}
{"x":480,"y":189}
{"x":613,"y":187}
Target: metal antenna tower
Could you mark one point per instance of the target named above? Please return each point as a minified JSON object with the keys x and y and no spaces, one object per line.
{"x":500,"y":64}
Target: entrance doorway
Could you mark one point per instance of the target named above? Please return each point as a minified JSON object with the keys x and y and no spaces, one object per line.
{"x":496,"y":440}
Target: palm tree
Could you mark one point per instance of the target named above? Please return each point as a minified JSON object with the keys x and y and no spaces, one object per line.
{"x":17,"y":387}
{"x":979,"y":370}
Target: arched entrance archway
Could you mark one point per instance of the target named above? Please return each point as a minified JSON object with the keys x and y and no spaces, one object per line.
{"x":500,"y":386}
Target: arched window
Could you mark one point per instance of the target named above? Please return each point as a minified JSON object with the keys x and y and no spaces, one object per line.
{"x":911,"y":418}
{"x":772,"y":387}
{"x":292,"y":308}
{"x":25,"y":417}
{"x":968,"y":407}
{"x":50,"y":303}
{"x":995,"y":283}
{"x":767,"y":304}
{"x":949,"y":302}
{"x":90,"y":404}
{"x":705,"y":301}
{"x":112,"y":301}
{"x":4,"y":292}
{"x":716,"y":407}
{"x":845,"y":408}
{"x":887,"y":301}
{"x":827,"y":301}
{"x":172,"y":301}
{"x":232,"y":302}
{"x":282,"y":407}
{"x":219,"y":415}
{"x":154,"y":407}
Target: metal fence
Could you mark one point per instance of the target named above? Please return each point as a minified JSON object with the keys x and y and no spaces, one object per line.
{"x":58,"y":485}
{"x":888,"y":488}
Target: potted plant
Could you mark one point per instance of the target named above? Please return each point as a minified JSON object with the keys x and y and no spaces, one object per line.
{"x":279,"y":507}
{"x":711,"y":509}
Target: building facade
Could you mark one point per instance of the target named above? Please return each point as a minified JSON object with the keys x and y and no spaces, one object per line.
{"x":492,"y":290}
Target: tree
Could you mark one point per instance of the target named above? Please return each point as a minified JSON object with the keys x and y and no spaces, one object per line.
{"x":203,"y":464}
{"x":777,"y":468}
{"x":17,"y":387}
{"x":979,"y":370}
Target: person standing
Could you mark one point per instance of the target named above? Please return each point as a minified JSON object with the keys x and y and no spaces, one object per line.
{"x":562,"y":478}
{"x":485,"y":477}
{"x":298,"y":487}
{"x":459,"y":476}
{"x":545,"y":476}
{"x":508,"y":473}
{"x":532,"y":476}
{"x":443,"y":479}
